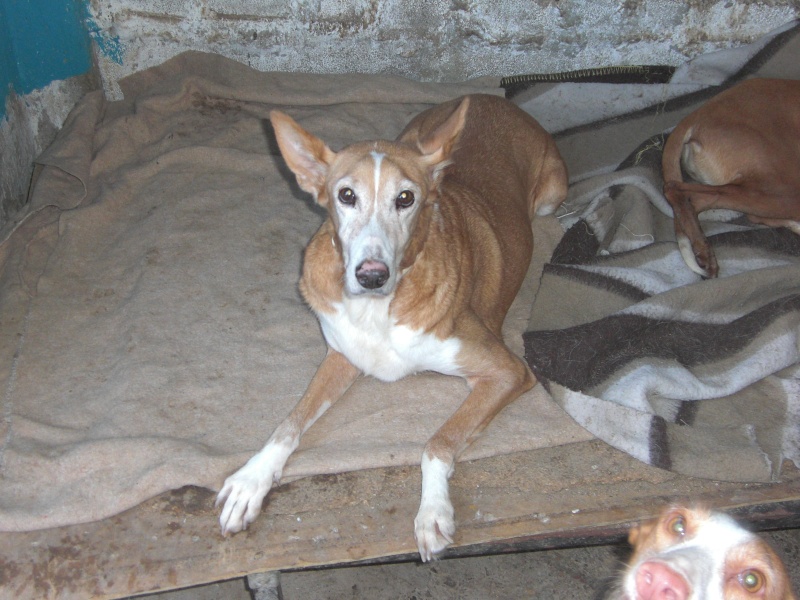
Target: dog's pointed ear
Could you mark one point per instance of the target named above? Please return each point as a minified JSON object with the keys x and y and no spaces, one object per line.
{"x":307,"y":156}
{"x":634,"y":534}
{"x":641,"y":531}
{"x":439,"y":144}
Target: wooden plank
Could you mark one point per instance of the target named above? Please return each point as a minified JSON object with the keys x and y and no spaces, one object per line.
{"x":570,"y":495}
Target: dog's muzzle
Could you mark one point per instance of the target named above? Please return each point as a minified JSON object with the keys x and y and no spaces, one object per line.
{"x":372,"y":274}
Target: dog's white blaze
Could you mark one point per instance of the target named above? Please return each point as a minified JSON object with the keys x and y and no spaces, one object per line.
{"x":370,"y":243}
{"x":374,"y":229}
{"x":363,"y":330}
{"x":714,"y":539}
{"x":377,"y":157}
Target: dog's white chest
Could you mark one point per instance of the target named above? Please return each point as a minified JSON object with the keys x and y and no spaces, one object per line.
{"x":363,"y":330}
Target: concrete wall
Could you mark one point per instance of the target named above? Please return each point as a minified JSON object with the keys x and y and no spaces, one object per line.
{"x":30,"y":123}
{"x":439,"y":40}
{"x":45,"y":56}
{"x":41,"y":44}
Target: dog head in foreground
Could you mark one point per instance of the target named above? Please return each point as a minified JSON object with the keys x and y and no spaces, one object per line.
{"x":698,"y":554}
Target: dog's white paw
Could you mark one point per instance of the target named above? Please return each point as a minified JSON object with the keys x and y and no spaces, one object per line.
{"x":244,"y":491}
{"x":435,"y":524}
{"x":434,"y":527}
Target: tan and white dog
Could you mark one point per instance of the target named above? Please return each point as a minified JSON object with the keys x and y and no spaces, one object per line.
{"x":427,"y":241}
{"x":742,"y":149}
{"x":697,"y":554}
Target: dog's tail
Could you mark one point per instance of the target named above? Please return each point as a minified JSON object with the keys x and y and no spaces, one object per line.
{"x":551,"y":184}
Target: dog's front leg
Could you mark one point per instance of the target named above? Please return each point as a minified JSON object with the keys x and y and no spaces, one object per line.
{"x":503,"y":382}
{"x":244,"y":491}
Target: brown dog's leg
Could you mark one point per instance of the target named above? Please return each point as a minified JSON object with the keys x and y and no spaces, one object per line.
{"x":756,"y":198}
{"x":244,"y":491}
{"x":503,"y":378}
{"x":692,"y":243}
{"x":762,"y":203}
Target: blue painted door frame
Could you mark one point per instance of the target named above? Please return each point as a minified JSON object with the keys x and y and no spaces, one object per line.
{"x":42,"y":41}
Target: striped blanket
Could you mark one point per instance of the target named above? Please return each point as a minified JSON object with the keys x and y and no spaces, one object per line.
{"x":697,"y":376}
{"x":701,"y":377}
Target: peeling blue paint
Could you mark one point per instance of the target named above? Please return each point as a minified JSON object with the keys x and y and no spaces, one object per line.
{"x":109,"y":45}
{"x":8,"y":65}
{"x":41,"y":41}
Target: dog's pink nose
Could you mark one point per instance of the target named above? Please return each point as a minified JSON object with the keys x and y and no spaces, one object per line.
{"x":656,"y":581}
{"x":372,"y":274}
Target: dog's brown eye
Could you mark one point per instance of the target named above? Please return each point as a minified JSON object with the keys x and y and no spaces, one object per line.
{"x":347,"y":196}
{"x":752,"y":580}
{"x":677,"y":525}
{"x":404,"y":199}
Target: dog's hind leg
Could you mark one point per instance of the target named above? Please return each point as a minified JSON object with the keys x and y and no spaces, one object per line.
{"x":763,"y":202}
{"x":692,"y":243}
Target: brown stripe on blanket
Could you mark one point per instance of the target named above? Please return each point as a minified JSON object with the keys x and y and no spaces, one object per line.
{"x":659,"y":444}
{"x":585,"y":356}
{"x":578,"y":245}
{"x":687,"y":413}
{"x":776,"y":241}
{"x":625,"y":290}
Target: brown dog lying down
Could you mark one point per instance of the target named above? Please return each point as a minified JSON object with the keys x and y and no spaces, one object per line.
{"x":742,"y":149}
{"x":697,"y":554}
{"x":427,"y":241}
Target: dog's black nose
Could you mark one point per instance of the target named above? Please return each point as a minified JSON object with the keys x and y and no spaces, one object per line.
{"x":372,"y":274}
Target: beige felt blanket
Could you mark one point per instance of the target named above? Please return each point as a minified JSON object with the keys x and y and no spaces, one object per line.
{"x":152,"y":332}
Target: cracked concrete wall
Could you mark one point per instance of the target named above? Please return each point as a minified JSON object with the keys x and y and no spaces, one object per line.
{"x":431,"y":40}
{"x":29,"y":125}
{"x":45,"y":61}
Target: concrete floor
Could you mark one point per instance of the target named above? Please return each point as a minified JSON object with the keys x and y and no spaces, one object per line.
{"x":567,"y":574}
